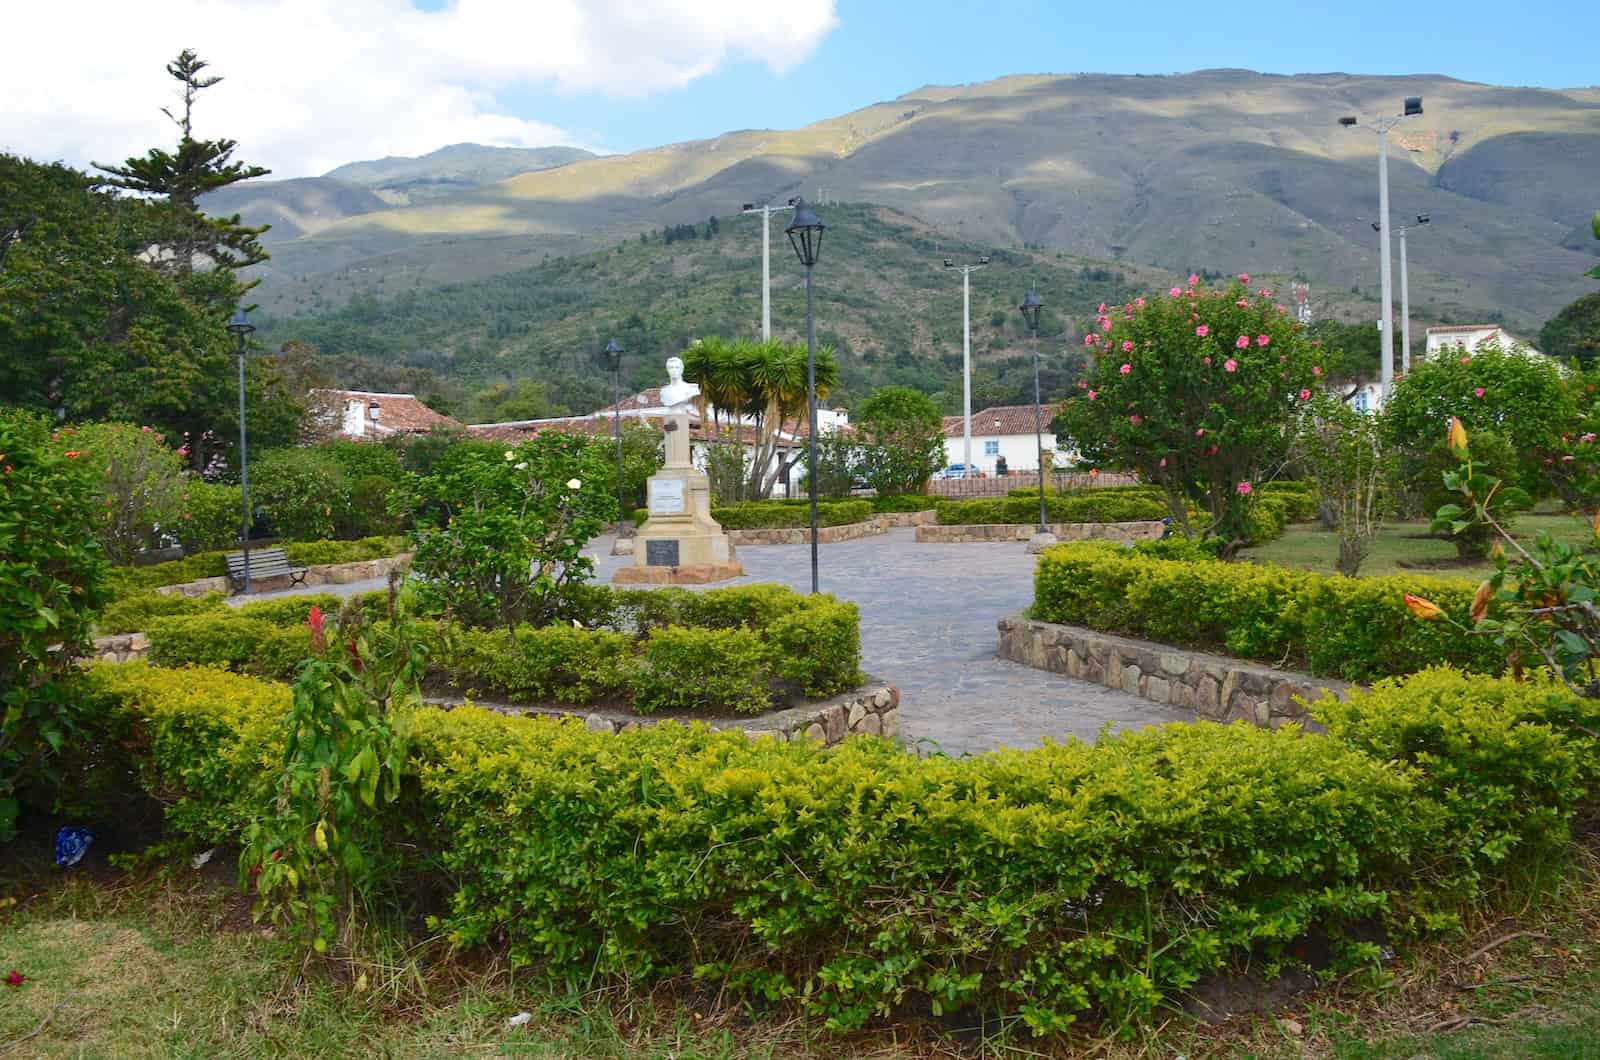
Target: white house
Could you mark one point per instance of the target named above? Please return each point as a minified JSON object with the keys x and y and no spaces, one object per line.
{"x":1468,"y":337}
{"x":1003,"y":432}
{"x":365,"y":415}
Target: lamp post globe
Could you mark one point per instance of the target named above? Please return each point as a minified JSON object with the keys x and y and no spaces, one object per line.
{"x":239,"y":325}
{"x":805,"y":235}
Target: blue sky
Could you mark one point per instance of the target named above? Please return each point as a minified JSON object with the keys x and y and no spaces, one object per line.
{"x":880,"y":50}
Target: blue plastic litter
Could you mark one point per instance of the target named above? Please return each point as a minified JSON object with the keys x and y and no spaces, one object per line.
{"x":71,"y":845}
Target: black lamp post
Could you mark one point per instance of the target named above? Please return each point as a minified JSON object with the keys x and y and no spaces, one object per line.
{"x":613,"y":355}
{"x":805,"y":234}
{"x":241,"y":327}
{"x":1030,"y":308}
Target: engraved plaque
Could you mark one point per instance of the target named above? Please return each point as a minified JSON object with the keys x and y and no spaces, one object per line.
{"x":661,"y":552}
{"x":666,"y":496}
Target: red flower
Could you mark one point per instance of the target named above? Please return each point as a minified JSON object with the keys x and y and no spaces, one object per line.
{"x":72,"y":454}
{"x":15,"y":978}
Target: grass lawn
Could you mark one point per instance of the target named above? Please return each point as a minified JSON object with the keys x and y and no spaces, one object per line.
{"x":1308,"y":546}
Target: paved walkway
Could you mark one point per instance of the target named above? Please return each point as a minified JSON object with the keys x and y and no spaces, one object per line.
{"x":928,"y":616}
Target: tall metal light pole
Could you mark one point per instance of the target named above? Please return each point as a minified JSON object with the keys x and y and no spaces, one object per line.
{"x":805,"y":234}
{"x":1405,"y":297}
{"x":613,"y":354}
{"x":966,"y":356}
{"x":241,"y":327}
{"x":1030,"y":308}
{"x":766,"y":210}
{"x":1381,"y":126}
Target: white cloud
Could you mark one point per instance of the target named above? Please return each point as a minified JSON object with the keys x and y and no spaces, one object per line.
{"x":310,"y":84}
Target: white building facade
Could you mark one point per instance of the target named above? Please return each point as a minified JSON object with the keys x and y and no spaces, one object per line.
{"x":1004,"y":432}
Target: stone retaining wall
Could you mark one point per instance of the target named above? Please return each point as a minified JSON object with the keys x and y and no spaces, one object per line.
{"x":801,"y":535}
{"x":1215,"y":687}
{"x":1147,"y":530}
{"x":327,"y":574}
{"x":123,"y":647}
{"x":873,"y":709}
{"x":902,"y":520}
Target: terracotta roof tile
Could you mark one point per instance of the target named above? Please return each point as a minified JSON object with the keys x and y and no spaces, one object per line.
{"x":1014,"y":419}
{"x":397,"y":413}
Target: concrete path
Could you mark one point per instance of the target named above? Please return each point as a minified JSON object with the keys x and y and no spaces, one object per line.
{"x":928,"y":616}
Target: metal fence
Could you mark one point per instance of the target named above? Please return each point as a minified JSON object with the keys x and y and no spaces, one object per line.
{"x":1000,"y":485}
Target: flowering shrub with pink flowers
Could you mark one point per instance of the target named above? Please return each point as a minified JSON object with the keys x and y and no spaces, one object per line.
{"x":1195,"y":390}
{"x":139,"y":480}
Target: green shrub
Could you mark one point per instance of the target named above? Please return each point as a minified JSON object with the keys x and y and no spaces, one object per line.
{"x":1265,"y":520}
{"x":325,"y":553}
{"x":291,"y":610}
{"x":212,"y":514}
{"x":769,"y":515}
{"x":304,"y":493}
{"x":905,"y":502}
{"x":1299,"y":504}
{"x":714,"y":671}
{"x":369,"y":508}
{"x":1350,"y":628}
{"x":751,"y":606}
{"x":551,"y":664}
{"x":818,"y":647}
{"x":1089,"y":507}
{"x":1072,"y":881}
{"x":133,"y":614}
{"x":228,"y":640}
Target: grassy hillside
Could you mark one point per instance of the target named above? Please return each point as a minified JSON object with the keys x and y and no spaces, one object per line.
{"x":883,"y":300}
{"x":1240,"y":170}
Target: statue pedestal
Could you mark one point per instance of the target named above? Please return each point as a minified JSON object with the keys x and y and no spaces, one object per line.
{"x":680,"y":544}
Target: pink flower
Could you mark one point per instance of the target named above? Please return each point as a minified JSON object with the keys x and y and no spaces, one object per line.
{"x":1125,"y":369}
{"x":1244,"y":278}
{"x":1134,"y":419}
{"x":1283,"y":309}
{"x":1092,"y":395}
{"x":1586,"y":437}
{"x":1477,"y":391}
{"x":1243,"y":488}
{"x":1316,"y":369}
{"x":1264,"y":293}
{"x":1305,"y":395}
{"x":1102,"y":309}
{"x":1090,"y":339}
{"x":146,"y":430}
{"x":1127,"y":346}
{"x":1212,"y":451}
{"x":1139,"y":302}
{"x":1163,"y":462}
{"x":1206,"y":361}
{"x":1263,"y":340}
{"x":1464,"y":360}
{"x":1242,"y":342}
{"x":1230,"y":365}
{"x":1194,"y":278}
{"x":1105,"y":324}
{"x":1200,"y":432}
{"x":1243,"y":303}
{"x":1176,"y":292}
{"x":1202,"y":331}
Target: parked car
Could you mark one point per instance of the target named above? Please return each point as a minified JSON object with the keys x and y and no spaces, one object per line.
{"x":959,"y":471}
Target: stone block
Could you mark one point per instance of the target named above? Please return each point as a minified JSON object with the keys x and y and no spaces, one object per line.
{"x":1174,"y":665}
{"x":815,"y":733}
{"x":872,"y":725}
{"x":1113,"y":670}
{"x":1157,"y":690}
{"x":1263,"y":712}
{"x":880,"y":698}
{"x":1074,"y":663}
{"x":1186,"y":696}
{"x":1282,"y":696}
{"x":595,"y":723}
{"x":1207,"y":696}
{"x":853,"y":720}
{"x":891,"y":723}
{"x":833,"y":720}
{"x":1130,"y":679}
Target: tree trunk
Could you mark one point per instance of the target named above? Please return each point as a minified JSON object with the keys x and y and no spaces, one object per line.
{"x":1352,"y":551}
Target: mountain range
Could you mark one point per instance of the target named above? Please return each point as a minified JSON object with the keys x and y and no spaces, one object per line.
{"x":1224,"y":169}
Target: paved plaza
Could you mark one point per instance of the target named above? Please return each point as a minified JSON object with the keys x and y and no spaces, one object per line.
{"x":928,"y":616}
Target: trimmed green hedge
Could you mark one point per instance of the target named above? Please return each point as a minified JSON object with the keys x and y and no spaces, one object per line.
{"x":1069,"y":882}
{"x":740,"y":650}
{"x":1298,"y":503}
{"x":129,"y":580}
{"x":780,"y":515}
{"x":1091,"y":507}
{"x":1357,"y":629}
{"x":905,"y":502}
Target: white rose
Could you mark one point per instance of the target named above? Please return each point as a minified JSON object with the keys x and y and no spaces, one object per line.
{"x":522,"y":465}
{"x":573,"y":484}
{"x":510,"y":455}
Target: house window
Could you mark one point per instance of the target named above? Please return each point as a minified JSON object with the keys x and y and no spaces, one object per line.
{"x":991,"y":447}
{"x":1360,"y":402}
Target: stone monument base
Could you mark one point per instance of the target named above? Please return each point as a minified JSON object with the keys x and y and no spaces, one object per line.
{"x":688,"y":574}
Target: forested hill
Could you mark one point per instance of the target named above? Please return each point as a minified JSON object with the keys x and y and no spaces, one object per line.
{"x":883,"y":300}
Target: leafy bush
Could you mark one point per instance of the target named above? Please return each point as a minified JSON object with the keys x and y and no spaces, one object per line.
{"x":551,"y":664}
{"x":716,"y":671}
{"x":360,"y":460}
{"x":304,"y":493}
{"x":770,"y":515}
{"x":1066,"y":882}
{"x":52,"y":581}
{"x":229,"y":640}
{"x":212,"y":514}
{"x":1299,"y":502}
{"x":1061,"y":508}
{"x":901,"y":439}
{"x":139,"y":481}
{"x":818,"y":647}
{"x":1354,"y":629}
{"x":133,"y":614}
{"x":904,"y":502}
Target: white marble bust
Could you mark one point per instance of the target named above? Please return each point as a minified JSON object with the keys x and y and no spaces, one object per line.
{"x":677,"y":394}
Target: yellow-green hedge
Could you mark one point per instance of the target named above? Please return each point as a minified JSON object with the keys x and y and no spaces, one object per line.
{"x":1357,"y":629}
{"x":1048,"y":885}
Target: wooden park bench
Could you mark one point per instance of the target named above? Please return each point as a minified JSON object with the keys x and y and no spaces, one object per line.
{"x":264,"y":563}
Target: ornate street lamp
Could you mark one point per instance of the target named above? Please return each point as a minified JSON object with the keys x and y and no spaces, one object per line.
{"x":241,"y":327}
{"x":805,"y":235}
{"x":1030,"y":308}
{"x":613,"y":362}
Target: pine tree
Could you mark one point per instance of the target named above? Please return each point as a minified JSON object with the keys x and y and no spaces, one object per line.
{"x":177,"y":180}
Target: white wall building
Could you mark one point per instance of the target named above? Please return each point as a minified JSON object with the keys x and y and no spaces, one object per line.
{"x":1003,"y":431}
{"x":1468,"y":337}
